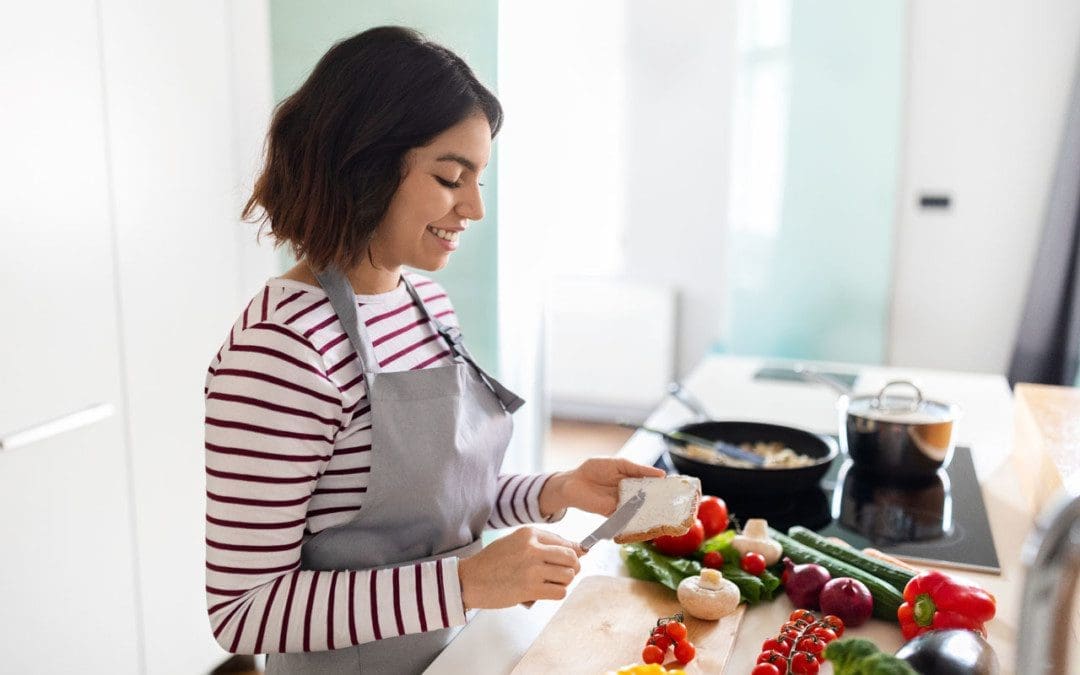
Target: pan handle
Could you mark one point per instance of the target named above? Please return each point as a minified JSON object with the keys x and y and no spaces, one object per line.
{"x":810,"y":374}
{"x":687,"y":399}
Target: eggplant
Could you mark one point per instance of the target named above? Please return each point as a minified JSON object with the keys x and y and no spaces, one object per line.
{"x":950,"y":652}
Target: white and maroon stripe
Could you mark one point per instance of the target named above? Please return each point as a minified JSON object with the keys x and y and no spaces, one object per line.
{"x":288,"y":453}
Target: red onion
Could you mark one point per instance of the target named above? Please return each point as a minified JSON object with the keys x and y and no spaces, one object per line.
{"x":848,"y":599}
{"x":803,"y":583}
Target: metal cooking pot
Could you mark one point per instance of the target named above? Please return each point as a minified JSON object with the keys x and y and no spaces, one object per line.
{"x":896,"y":438}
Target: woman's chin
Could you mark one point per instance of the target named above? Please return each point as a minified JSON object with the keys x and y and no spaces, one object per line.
{"x":429,"y":264}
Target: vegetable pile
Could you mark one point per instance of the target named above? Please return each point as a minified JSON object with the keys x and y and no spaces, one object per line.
{"x":644,"y":561}
{"x":713,"y":569}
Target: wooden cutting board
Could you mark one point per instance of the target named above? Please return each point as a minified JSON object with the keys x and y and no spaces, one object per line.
{"x":605,"y":622}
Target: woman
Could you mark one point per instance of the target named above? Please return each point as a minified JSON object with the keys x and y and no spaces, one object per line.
{"x":352,"y":444}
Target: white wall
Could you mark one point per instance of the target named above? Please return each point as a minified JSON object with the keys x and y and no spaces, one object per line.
{"x":680,"y":69}
{"x":987,"y":91}
{"x":175,"y":94}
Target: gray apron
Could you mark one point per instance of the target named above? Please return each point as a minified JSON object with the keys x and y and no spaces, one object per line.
{"x":438,"y":440}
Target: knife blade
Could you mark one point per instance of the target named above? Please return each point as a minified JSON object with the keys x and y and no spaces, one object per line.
{"x":616,"y":522}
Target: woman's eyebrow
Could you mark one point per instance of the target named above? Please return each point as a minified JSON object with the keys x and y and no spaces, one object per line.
{"x":463,"y":161}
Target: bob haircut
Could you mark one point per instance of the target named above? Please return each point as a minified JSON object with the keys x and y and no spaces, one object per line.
{"x":336,"y":147}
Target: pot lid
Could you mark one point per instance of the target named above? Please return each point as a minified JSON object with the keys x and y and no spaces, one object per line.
{"x":902,"y":402}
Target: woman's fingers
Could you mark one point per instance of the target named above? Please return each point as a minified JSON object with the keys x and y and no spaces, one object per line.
{"x":561,"y":556}
{"x":552,"y":539}
{"x":558,"y":574}
{"x":634,"y":470}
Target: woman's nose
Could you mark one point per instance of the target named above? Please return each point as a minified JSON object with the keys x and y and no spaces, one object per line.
{"x":471,"y":205}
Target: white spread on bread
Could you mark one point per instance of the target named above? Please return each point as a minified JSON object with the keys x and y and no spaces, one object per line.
{"x":669,"y":509}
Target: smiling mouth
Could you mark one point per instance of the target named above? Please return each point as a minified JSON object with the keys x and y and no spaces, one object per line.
{"x":449,"y":236}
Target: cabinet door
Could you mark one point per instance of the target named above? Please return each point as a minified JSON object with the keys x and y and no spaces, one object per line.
{"x":67,"y":585}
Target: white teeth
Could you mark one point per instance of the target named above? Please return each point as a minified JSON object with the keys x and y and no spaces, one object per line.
{"x":444,"y":234}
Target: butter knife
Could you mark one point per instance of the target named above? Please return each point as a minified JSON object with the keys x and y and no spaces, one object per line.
{"x":618,"y":520}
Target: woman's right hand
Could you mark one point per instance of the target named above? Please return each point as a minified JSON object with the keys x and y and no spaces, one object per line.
{"x":528,"y":564}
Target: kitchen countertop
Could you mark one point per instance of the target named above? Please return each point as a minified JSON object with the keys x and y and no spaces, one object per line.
{"x":727,"y":387}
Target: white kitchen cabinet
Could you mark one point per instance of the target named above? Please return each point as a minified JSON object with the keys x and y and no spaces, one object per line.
{"x":68,"y":600}
{"x":124,"y":143}
{"x":181,"y":281}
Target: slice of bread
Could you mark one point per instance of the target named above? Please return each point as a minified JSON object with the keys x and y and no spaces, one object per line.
{"x":669,"y":509}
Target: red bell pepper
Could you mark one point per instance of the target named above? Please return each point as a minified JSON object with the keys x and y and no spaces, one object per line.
{"x":933,"y":601}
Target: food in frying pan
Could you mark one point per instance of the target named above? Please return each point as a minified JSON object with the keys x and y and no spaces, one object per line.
{"x":777,"y":456}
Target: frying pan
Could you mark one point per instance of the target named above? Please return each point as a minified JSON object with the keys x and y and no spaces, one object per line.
{"x":717,"y":479}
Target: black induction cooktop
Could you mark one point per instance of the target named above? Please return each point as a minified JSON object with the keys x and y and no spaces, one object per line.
{"x":941,"y":522}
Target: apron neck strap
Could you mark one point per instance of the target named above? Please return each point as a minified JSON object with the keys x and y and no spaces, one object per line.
{"x":509,"y":400}
{"x":343,"y":300}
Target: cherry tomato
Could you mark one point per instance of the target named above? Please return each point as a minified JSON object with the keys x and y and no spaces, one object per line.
{"x":661,"y":641}
{"x":797,"y":625}
{"x":684,"y":652}
{"x":765,"y":669}
{"x":753,"y":563}
{"x":773,"y":656}
{"x":683,"y":545}
{"x":823,"y":633}
{"x":713,"y":559}
{"x":792,"y":634}
{"x":780,"y":644}
{"x":802,"y":615}
{"x":713,"y":513}
{"x":834,"y":624}
{"x":811,"y":644}
{"x":804,"y":664}
{"x":676,"y":630}
{"x":652,"y":654}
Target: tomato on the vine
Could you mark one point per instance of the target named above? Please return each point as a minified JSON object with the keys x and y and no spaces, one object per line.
{"x":684,"y":652}
{"x":652,"y":654}
{"x":772,"y":656}
{"x":713,"y":559}
{"x":780,"y":644}
{"x":811,"y":644}
{"x":713,"y":513}
{"x":676,"y":630}
{"x":682,"y":545}
{"x":661,"y":641}
{"x":766,"y":669}
{"x":826,"y":635}
{"x":804,"y":664}
{"x":753,"y":563}
{"x":802,"y":615}
{"x":834,"y":624}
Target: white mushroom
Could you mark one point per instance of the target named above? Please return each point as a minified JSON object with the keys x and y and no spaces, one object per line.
{"x":755,"y":537}
{"x":709,"y":596}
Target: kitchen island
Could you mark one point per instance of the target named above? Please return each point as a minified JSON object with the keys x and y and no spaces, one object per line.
{"x":495,"y":640}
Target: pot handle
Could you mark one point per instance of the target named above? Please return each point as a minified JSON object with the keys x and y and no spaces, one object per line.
{"x":912,"y":407}
{"x":813,"y":375}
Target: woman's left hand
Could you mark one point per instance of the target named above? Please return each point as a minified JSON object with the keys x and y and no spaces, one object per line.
{"x":593,"y":486}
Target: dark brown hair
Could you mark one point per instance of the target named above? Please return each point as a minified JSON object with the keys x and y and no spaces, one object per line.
{"x":335,"y":150}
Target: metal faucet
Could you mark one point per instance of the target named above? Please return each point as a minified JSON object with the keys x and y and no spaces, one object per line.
{"x":1052,"y":556}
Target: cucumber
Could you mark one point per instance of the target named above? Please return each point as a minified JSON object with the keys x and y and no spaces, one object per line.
{"x":890,"y":574}
{"x":886,"y":598}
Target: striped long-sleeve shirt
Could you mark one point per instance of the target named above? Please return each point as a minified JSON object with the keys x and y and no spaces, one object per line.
{"x":288,"y":454}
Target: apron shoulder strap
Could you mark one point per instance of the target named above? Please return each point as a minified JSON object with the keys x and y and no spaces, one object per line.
{"x":343,"y":300}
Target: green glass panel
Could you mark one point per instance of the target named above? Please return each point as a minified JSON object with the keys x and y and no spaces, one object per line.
{"x":302,"y":30}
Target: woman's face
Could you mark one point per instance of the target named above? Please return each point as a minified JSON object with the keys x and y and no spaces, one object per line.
{"x":438,"y":196}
